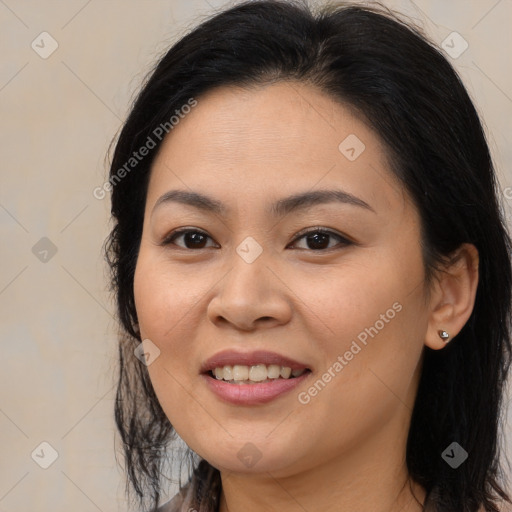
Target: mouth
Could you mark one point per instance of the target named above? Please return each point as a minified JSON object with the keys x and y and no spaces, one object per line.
{"x":255,"y":374}
{"x":252,"y":378}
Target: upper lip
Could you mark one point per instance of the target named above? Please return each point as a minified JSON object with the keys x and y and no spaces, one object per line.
{"x":232,"y":357}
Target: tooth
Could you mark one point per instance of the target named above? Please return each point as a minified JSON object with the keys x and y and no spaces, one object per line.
{"x":228,"y":372}
{"x":258,"y":372}
{"x":255,"y":373}
{"x":273,"y":371}
{"x":285,"y":372}
{"x":240,"y":372}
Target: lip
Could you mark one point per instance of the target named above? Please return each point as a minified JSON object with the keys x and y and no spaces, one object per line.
{"x":252,"y":394}
{"x":232,"y":357}
{"x":255,"y":393}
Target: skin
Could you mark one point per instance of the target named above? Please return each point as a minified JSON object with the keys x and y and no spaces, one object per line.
{"x":345,"y":449}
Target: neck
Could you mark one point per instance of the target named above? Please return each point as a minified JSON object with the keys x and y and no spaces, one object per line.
{"x":332,"y":495}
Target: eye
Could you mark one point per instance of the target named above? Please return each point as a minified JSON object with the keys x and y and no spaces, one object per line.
{"x":192,"y":238}
{"x":318,"y":239}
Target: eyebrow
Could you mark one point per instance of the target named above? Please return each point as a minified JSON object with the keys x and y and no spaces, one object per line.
{"x":283,"y":206}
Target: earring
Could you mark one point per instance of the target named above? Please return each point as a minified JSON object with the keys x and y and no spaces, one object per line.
{"x":443,"y":335}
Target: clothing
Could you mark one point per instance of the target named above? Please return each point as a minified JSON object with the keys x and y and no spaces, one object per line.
{"x":200,"y":494}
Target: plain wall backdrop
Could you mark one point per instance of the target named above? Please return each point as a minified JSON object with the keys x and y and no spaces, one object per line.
{"x":59,"y":112}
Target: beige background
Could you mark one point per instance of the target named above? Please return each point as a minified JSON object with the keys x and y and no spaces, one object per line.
{"x":58,"y":116}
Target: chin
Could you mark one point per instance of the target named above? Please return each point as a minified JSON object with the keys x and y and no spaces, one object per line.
{"x":252,"y":457}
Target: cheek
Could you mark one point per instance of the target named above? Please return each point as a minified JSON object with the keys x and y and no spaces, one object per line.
{"x":348,"y":297}
{"x":369,"y":355}
{"x":150,"y":300}
{"x":163,"y":297}
{"x":162,"y":306}
{"x":165,"y":301}
{"x":370,"y":310}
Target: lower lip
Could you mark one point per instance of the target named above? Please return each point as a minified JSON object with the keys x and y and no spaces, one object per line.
{"x":252,"y":394}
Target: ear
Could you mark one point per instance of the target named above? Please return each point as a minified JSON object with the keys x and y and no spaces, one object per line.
{"x":453,"y":296}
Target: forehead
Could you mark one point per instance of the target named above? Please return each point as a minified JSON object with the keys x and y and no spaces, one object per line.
{"x":243,"y":143}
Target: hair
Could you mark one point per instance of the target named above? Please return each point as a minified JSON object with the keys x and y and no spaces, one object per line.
{"x":400,"y":84}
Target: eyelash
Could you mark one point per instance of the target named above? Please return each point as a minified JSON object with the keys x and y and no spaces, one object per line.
{"x":169,"y":240}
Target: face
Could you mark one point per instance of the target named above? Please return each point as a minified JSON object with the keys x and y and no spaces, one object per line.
{"x":332,"y":282}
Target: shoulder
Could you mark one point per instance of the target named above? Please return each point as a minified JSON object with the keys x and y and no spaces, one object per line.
{"x":174,"y":505}
{"x":181,"y":501}
{"x":201,"y":493}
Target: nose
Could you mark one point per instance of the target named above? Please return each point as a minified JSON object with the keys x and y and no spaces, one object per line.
{"x":250,"y":296}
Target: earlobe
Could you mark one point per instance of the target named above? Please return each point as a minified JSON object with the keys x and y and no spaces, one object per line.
{"x":453,"y":298}
{"x":444,"y":335}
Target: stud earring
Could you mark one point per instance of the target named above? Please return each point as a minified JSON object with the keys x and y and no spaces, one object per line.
{"x":443,"y":335}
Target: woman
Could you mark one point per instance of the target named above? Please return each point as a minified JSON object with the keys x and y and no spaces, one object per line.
{"x":312,"y":270}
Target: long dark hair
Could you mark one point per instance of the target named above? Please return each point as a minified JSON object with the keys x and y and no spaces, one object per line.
{"x":402,"y":86}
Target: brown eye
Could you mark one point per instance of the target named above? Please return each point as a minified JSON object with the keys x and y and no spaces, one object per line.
{"x":319,"y":239}
{"x":192,"y":239}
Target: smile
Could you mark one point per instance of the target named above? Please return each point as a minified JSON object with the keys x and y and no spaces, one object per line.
{"x":250,"y":393}
{"x":242,"y":374}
